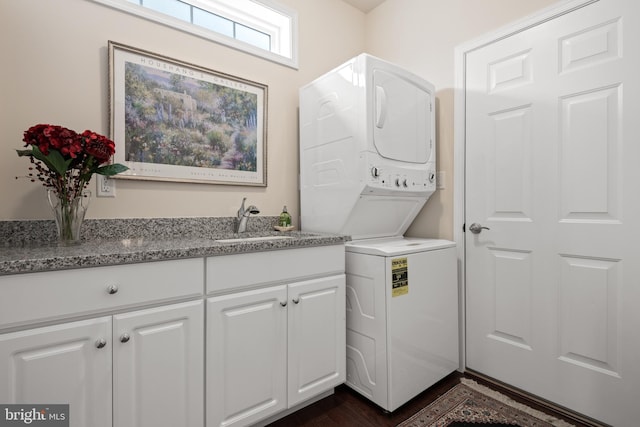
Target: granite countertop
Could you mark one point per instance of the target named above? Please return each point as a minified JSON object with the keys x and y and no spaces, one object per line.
{"x":156,"y":246}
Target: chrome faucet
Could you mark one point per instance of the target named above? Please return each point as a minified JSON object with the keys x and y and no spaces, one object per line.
{"x":243,"y":216}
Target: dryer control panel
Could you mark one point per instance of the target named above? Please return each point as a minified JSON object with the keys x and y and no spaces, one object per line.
{"x":388,"y":178}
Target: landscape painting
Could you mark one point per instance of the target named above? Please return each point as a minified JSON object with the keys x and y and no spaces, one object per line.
{"x":176,"y":121}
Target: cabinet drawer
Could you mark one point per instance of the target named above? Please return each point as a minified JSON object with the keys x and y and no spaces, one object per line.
{"x":32,"y":297}
{"x":230,"y":272}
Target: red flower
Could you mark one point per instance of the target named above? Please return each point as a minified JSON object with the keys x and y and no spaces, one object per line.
{"x":35,"y":135}
{"x":66,"y":141}
{"x":98,"y":146}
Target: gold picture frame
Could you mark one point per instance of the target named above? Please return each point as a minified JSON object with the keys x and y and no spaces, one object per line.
{"x":175,"y":121}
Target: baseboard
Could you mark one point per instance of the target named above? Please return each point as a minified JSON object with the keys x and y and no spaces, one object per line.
{"x":290,"y":411}
{"x":530,"y":399}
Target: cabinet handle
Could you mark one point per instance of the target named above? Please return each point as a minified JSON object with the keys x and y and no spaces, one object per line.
{"x":125,"y":338}
{"x":112,"y":289}
{"x":295,"y":300}
{"x":283,"y":303}
{"x":101,"y":343}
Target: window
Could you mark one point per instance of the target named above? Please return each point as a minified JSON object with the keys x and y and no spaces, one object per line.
{"x":259,"y":27}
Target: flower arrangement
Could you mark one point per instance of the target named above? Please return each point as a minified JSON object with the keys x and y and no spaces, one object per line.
{"x":64,"y":161}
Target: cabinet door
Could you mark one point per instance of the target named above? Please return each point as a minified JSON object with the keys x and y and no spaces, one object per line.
{"x":60,"y":364}
{"x":316,"y":329}
{"x":246,"y":356}
{"x":158,"y":359}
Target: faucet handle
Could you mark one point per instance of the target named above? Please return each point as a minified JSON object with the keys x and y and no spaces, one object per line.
{"x":241,"y":210}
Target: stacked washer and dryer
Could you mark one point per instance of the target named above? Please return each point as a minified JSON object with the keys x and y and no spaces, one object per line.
{"x":367,"y":167}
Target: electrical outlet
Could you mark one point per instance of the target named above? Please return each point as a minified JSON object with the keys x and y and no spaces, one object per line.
{"x":440,"y":177}
{"x":106,"y":186}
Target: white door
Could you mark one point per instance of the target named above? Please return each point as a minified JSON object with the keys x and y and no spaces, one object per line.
{"x":246,"y":356}
{"x":158,"y":358}
{"x":68,"y":363}
{"x":317,"y":337}
{"x":552,"y":149}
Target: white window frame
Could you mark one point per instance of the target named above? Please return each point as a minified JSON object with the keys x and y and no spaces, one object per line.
{"x":284,"y":35}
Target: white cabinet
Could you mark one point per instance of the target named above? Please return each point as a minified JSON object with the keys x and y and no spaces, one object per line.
{"x":155,"y":356}
{"x":146,"y":367}
{"x":316,"y":332}
{"x":246,"y":356}
{"x":67,"y":363}
{"x":158,"y":366}
{"x":274,"y":347}
{"x":125,"y":345}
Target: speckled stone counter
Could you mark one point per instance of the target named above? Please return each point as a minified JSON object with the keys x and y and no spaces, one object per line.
{"x":113,"y":242}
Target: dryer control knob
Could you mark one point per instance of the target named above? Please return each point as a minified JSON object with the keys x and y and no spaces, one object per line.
{"x":397,"y":182}
{"x":405,"y":184}
{"x":375,"y":172}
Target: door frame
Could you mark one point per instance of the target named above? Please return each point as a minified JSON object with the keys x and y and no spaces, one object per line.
{"x":459,"y":144}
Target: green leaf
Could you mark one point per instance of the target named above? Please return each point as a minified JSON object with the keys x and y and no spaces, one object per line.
{"x":54,"y":160}
{"x":35,"y":152}
{"x":22,"y":153}
{"x":60,"y":165}
{"x":110,"y":170}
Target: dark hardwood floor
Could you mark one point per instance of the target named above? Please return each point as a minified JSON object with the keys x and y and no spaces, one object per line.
{"x":348,"y":408}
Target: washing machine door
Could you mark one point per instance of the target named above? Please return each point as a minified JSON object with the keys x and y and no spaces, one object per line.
{"x":403,"y":118}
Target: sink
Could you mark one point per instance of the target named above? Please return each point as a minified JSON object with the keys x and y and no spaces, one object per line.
{"x":253,"y":239}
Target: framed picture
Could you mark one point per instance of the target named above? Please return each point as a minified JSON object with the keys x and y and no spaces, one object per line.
{"x":174,"y":121}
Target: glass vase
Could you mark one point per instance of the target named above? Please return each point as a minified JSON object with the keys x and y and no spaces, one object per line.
{"x":69,"y":214}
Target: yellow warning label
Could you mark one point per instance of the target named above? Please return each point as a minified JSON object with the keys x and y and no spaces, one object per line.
{"x":399,"y":277}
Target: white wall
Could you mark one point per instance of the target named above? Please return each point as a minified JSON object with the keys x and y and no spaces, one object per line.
{"x":421,"y":35}
{"x":54,"y":70}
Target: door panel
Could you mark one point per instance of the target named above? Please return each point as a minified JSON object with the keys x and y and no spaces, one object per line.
{"x":511,"y":169}
{"x":159,"y":368}
{"x":317,"y":337}
{"x":588,"y":324}
{"x":551,"y":149}
{"x":60,"y":364}
{"x":590,"y":161}
{"x":511,"y":277}
{"x":246,"y":356}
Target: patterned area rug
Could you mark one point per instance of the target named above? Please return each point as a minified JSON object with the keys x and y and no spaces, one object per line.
{"x":470,"y":403}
